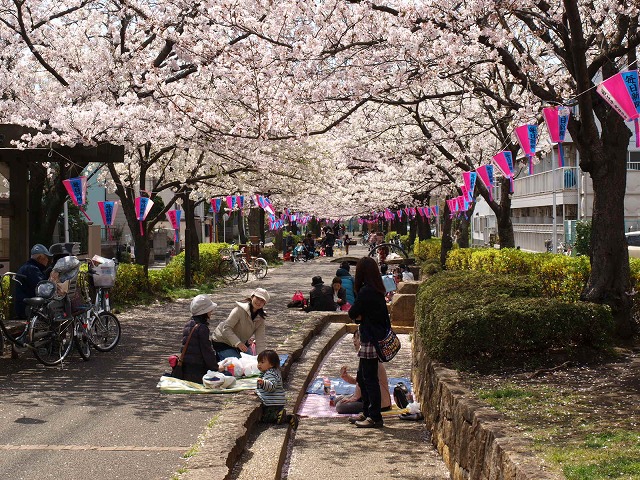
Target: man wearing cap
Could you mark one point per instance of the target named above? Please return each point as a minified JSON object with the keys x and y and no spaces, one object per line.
{"x":320,"y":297}
{"x":232,"y":336}
{"x":34,"y":271}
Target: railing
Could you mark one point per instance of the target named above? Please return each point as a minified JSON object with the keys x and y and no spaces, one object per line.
{"x":531,"y":237}
{"x":565,"y":179}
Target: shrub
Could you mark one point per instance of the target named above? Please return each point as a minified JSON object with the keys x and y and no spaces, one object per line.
{"x":512,"y":260}
{"x":487,"y":320}
{"x":425,"y":250}
{"x":458,"y":259}
{"x":482,"y":259}
{"x":270,"y":254}
{"x":583,"y":238}
{"x":564,"y":277}
{"x":430,"y":267}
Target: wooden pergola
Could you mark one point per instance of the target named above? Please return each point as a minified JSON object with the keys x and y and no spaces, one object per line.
{"x":14,"y":166}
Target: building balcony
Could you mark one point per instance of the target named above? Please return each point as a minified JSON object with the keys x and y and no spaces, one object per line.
{"x":538,"y":189}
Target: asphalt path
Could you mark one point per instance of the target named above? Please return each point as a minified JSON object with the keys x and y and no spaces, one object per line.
{"x":105,"y":418}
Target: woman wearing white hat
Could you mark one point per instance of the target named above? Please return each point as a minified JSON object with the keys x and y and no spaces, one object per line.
{"x":200,"y":355}
{"x":246,"y":320}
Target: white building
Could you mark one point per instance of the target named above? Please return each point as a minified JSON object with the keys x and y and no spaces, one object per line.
{"x":533,"y":199}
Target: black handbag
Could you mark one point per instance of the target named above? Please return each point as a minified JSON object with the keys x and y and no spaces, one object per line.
{"x":388,"y":347}
{"x":176,"y":371}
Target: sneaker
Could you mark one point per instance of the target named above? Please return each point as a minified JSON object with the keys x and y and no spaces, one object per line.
{"x":411,"y":416}
{"x":357,"y":418}
{"x":282,"y":417}
{"x":293,"y":421}
{"x":370,"y":423}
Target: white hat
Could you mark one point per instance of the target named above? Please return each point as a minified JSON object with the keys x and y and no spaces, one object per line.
{"x":261,"y":293}
{"x":201,"y":304}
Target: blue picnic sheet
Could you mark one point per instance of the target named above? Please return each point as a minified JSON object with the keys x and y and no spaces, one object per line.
{"x":343,"y":388}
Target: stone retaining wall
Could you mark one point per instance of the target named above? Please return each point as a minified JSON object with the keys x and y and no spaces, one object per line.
{"x":474,"y":440}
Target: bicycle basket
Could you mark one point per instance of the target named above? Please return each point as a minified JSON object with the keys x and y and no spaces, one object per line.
{"x":104,"y":275}
{"x":45,"y":289}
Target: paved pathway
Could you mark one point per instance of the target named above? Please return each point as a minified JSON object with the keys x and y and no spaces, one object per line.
{"x":105,"y":419}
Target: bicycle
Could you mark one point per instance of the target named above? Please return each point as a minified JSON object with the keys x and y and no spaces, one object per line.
{"x":234,"y":266}
{"x":17,"y":335}
{"x":103,"y":329}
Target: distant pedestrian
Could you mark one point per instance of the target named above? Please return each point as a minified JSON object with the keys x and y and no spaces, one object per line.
{"x":347,"y":281}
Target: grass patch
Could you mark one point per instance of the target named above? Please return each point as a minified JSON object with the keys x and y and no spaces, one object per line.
{"x":213,"y":421}
{"x":181,"y":470}
{"x":568,"y":430}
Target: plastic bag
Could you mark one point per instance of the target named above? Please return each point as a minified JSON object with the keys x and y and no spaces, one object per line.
{"x":238,"y":369}
{"x":249,"y":364}
{"x":217,"y":380}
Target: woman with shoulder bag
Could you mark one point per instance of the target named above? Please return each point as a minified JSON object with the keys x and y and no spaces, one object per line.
{"x":370,"y":311}
{"x":199,"y":355}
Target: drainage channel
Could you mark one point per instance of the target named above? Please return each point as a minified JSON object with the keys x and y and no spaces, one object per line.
{"x":325,"y":443}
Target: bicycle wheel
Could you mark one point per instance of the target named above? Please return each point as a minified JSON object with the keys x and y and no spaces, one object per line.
{"x":51,"y":340}
{"x":81,"y":338}
{"x":228,"y":270}
{"x":260,"y":268}
{"x":244,"y":271}
{"x":104,"y":333}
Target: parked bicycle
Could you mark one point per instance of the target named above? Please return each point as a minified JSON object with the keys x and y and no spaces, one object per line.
{"x":234,"y":266}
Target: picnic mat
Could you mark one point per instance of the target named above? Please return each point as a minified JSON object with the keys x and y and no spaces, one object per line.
{"x":175,"y":385}
{"x":343,"y":388}
{"x":317,"y":406}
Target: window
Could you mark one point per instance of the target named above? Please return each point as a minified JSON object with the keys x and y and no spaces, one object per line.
{"x":634,"y":161}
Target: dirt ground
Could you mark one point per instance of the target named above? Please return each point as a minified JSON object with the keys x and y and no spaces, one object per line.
{"x":604,"y":396}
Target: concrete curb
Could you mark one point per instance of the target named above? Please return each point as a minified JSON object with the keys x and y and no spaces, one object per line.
{"x":475,"y":441}
{"x":222,"y":444}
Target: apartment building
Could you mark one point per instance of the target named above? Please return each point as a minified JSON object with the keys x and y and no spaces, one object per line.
{"x":533,"y":200}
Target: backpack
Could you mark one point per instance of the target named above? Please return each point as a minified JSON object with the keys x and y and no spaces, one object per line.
{"x":400,"y":395}
{"x":298,"y":296}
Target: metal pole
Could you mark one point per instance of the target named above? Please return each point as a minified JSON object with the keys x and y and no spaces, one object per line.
{"x":553,"y":183}
{"x":66,"y":221}
{"x":187,"y":240}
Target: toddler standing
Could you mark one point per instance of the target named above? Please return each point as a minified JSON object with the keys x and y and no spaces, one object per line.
{"x":270,"y":389}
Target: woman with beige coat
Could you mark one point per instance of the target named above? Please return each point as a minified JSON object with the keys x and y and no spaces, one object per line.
{"x":246,"y":320}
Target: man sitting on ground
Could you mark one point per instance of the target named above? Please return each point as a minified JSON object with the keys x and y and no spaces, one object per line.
{"x":320,"y":297}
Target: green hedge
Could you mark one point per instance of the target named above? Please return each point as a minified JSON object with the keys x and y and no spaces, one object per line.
{"x":131,"y":285}
{"x":477,"y":320}
{"x":425,"y":250}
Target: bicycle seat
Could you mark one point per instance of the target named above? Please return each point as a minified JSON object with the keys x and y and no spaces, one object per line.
{"x":35,"y":301}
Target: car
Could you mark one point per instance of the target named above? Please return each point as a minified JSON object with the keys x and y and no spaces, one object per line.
{"x":633,"y":240}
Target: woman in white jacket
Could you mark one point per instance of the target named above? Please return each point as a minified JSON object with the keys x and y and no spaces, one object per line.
{"x":246,"y":320}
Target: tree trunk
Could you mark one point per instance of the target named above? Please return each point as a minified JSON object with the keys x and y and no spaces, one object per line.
{"x":503,"y":217}
{"x":609,"y":280}
{"x":191,"y":240}
{"x":463,"y":237}
{"x":447,"y":241}
{"x":502,"y":212}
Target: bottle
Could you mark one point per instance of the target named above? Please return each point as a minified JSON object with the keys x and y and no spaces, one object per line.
{"x":332,"y":398}
{"x":327,"y":385}
{"x":231,"y":369}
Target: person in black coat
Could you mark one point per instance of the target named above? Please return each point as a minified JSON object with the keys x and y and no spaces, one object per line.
{"x":34,"y":271}
{"x":200,"y":355}
{"x":370,"y":312}
{"x":320,"y":297}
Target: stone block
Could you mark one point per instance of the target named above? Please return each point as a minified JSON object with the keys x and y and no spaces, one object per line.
{"x":403,"y":310}
{"x":409,"y":288}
